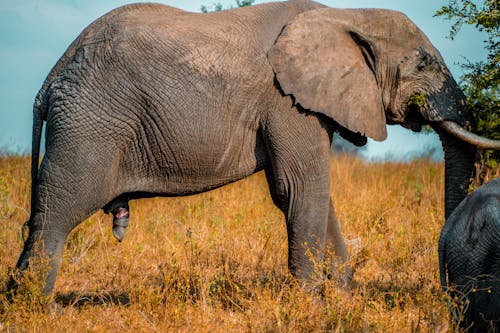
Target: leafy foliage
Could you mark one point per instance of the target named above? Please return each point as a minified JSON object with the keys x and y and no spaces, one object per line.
{"x":217,"y":6}
{"x":417,"y":100}
{"x":244,"y":3}
{"x":481,"y":80}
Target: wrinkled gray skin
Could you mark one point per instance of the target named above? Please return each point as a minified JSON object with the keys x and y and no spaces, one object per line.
{"x":469,"y":256}
{"x":150,"y":100}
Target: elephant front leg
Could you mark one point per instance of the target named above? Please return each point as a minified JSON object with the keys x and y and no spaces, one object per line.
{"x":301,"y":190}
{"x":298,"y":145}
{"x":335,"y":242}
{"x":306,"y":221}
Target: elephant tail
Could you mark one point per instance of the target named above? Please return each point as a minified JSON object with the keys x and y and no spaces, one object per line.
{"x":442,"y":253}
{"x":442,"y":259}
{"x":41,"y":107}
{"x":443,"y":272}
{"x":39,"y":115}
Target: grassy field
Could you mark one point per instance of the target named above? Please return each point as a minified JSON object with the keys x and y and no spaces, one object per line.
{"x":216,"y":262}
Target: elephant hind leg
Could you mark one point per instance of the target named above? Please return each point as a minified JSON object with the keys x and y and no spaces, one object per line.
{"x":65,"y":195}
{"x":120,"y":210}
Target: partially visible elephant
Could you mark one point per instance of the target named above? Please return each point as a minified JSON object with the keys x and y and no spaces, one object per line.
{"x":469,"y":259}
{"x":150,"y":100}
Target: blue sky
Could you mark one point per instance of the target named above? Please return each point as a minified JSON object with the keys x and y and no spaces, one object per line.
{"x":35,"y":33}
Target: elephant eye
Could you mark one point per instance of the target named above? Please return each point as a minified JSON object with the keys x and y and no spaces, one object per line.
{"x":424,"y":60}
{"x":421,"y":65}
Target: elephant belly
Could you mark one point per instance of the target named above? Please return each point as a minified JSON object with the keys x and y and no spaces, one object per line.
{"x":182,"y":165}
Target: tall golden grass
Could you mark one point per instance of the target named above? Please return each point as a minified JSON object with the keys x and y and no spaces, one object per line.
{"x":216,"y":262}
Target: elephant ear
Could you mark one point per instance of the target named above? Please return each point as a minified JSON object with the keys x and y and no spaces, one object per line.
{"x":329,"y":68}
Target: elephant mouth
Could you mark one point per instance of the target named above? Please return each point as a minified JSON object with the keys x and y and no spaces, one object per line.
{"x":409,"y":116}
{"x":415,"y":117}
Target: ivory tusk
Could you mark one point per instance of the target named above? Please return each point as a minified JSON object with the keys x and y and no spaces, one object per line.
{"x":464,"y":135}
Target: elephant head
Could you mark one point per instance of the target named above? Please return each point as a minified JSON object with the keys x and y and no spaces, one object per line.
{"x":365,"y":68}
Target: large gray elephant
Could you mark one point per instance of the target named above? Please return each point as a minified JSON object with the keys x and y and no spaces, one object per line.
{"x":469,"y":259}
{"x":151,"y":100}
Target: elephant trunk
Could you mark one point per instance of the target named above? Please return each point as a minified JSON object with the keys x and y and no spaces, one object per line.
{"x":459,"y":159}
{"x":447,"y":114}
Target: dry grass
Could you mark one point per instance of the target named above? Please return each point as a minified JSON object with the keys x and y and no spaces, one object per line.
{"x":216,"y":262}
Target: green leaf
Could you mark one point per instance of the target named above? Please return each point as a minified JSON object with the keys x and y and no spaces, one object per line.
{"x":480,"y":80}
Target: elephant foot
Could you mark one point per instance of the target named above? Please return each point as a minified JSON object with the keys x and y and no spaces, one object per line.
{"x":120,"y":221}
